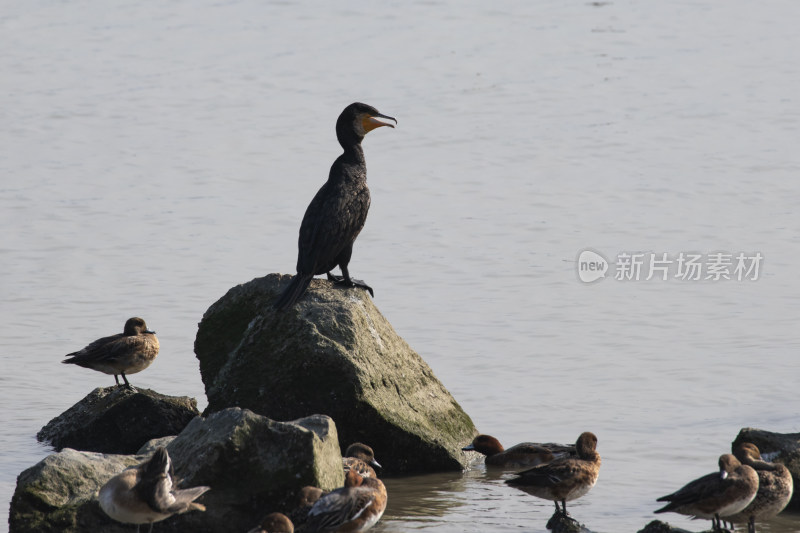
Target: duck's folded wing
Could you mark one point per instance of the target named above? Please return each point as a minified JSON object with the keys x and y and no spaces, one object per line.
{"x":693,"y":491}
{"x":338,"y":508}
{"x":546,"y":475}
{"x":93,"y":351}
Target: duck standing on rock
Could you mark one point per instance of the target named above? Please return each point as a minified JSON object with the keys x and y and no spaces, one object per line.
{"x":716,"y":495}
{"x":128,"y":352}
{"x":566,"y":478}
{"x":775,"y":487}
{"x":145,"y":494}
{"x":337,"y":214}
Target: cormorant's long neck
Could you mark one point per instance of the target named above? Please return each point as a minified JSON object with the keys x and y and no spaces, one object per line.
{"x":350,"y":142}
{"x":353,"y":153}
{"x":350,"y":167}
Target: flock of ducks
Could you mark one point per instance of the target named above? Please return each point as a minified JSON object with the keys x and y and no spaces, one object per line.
{"x":745,"y":489}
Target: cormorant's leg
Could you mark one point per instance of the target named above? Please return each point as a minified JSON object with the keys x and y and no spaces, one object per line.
{"x":335,"y":279}
{"x":350,"y":282}
{"x":116,"y":379}
{"x":751,"y":525}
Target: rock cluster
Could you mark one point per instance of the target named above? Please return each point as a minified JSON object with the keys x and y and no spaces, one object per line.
{"x":335,"y":354}
{"x":252,"y":463}
{"x":333,"y":357}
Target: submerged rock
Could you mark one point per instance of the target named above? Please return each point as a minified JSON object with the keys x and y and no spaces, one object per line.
{"x":559,"y":523}
{"x":251,"y":463}
{"x":657,"y":526}
{"x":778,"y":448}
{"x":333,"y":353}
{"x":118,"y":420}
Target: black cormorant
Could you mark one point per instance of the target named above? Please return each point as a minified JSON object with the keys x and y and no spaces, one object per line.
{"x":336,"y":215}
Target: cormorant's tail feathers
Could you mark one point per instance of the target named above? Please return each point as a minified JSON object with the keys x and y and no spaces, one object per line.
{"x":293,"y":291}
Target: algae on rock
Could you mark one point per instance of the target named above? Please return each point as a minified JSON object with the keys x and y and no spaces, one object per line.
{"x":333,"y":353}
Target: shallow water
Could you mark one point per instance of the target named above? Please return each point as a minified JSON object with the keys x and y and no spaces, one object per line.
{"x":156,"y":155}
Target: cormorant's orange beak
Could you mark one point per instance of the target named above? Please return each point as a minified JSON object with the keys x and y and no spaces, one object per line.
{"x":369,"y":123}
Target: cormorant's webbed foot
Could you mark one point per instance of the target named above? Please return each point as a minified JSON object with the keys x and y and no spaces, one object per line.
{"x":350,"y":282}
{"x":360,"y":283}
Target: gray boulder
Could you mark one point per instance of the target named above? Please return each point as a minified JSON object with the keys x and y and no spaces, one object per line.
{"x":333,"y":353}
{"x":779,"y":448}
{"x":255,"y":465}
{"x":59,"y":493}
{"x":118,"y":420}
{"x":252,"y":464}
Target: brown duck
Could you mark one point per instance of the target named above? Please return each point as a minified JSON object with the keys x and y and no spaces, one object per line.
{"x":566,"y":478}
{"x":128,"y":352}
{"x":523,"y":455}
{"x":775,"y":487}
{"x":145,"y":494}
{"x":717,"y":495}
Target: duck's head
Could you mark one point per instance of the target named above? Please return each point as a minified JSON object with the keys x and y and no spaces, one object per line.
{"x":746,"y":452}
{"x":485,"y":444}
{"x":363,"y":452}
{"x":586,"y":445}
{"x":727,"y":464}
{"x":135,"y":326}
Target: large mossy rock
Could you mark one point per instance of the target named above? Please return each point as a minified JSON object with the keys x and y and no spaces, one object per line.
{"x":252,"y":464}
{"x":118,"y":420}
{"x":779,"y":448}
{"x":333,"y":353}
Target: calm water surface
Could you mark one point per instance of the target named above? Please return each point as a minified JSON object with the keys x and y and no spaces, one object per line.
{"x":156,"y":155}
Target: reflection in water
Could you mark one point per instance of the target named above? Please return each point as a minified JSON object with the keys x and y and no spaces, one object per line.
{"x":476,"y":500}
